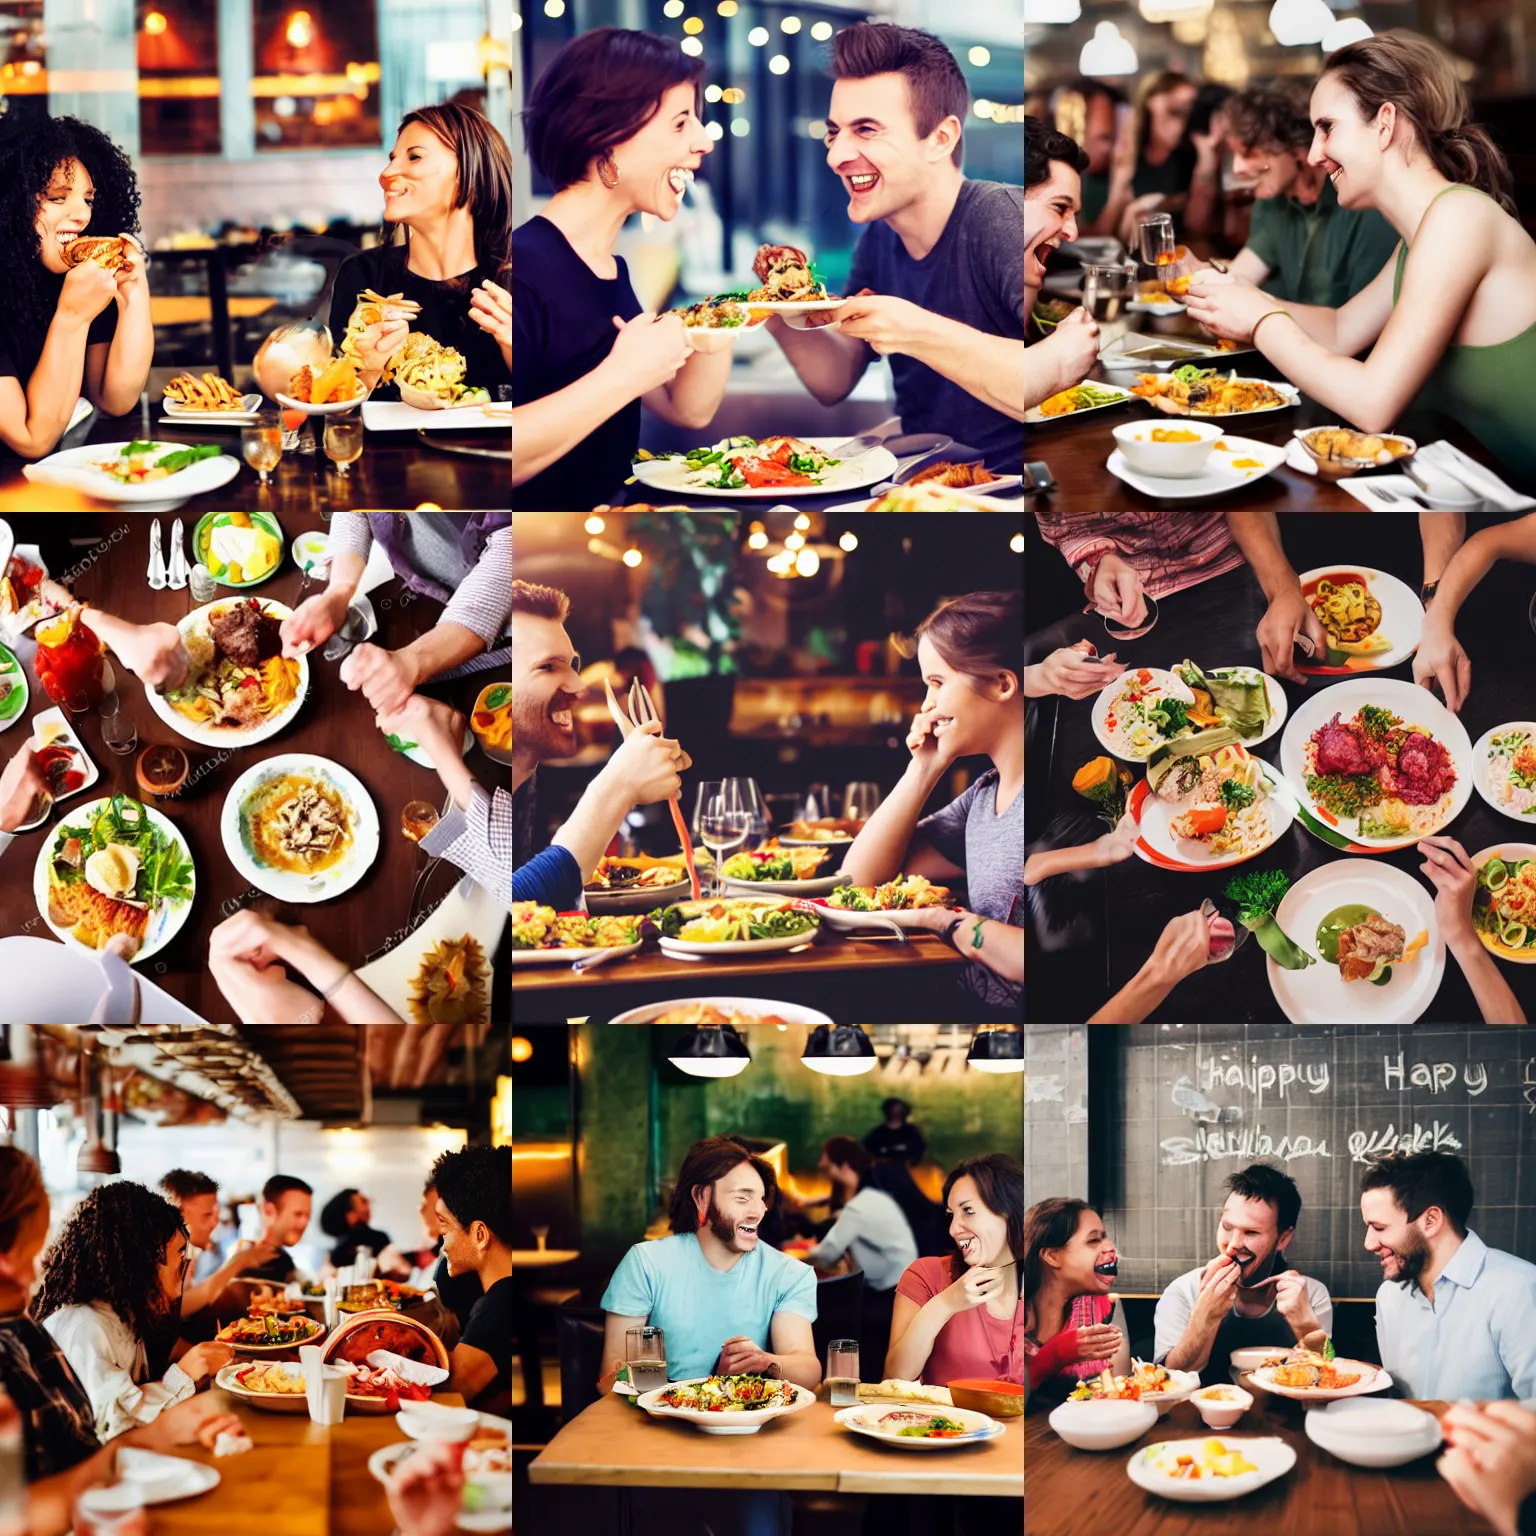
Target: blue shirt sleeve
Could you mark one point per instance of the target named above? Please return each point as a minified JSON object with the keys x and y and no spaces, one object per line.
{"x":551,"y":878}
{"x":629,"y":1293}
{"x":799,"y":1293}
{"x":1515,"y":1337}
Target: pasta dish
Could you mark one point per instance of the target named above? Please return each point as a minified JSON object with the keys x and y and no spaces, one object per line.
{"x":1349,"y":612}
{"x":1504,"y":906}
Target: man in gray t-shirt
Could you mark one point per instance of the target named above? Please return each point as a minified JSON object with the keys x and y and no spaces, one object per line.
{"x":990,"y":848}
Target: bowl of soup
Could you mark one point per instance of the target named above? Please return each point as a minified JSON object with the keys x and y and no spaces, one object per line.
{"x":1168,"y":450}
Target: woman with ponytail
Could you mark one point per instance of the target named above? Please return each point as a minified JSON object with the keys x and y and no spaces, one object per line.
{"x":1450,"y":323}
{"x":971,"y":651}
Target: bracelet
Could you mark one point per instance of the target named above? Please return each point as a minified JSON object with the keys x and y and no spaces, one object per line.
{"x":949,"y":932}
{"x":335,"y":986}
{"x":1262,"y":318}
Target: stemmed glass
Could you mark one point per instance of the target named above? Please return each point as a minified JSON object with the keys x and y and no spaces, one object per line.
{"x":262,"y":444}
{"x":751,"y":797}
{"x":861,"y":800}
{"x":724,"y":820}
{"x":118,"y":730}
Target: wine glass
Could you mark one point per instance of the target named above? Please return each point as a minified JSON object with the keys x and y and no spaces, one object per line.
{"x":860,"y":800}
{"x":724,"y":820}
{"x":262,"y":443}
{"x":541,"y":1235}
{"x":118,"y":730}
{"x":343,"y":441}
{"x":752,"y":798}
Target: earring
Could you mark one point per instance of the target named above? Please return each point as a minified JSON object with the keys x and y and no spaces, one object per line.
{"x":607,"y":171}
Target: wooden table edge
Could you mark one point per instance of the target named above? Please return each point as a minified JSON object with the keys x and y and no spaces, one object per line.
{"x":653,"y":1476}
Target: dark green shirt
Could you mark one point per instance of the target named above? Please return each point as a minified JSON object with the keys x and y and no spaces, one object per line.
{"x":1095,"y":195}
{"x":1319,"y":253}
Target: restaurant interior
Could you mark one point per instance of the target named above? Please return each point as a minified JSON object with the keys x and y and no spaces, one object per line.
{"x":1206,"y":205}
{"x":772,"y":645}
{"x":116,"y":1140}
{"x":1162,"y":1146}
{"x":257,"y":132}
{"x":603,"y":1122}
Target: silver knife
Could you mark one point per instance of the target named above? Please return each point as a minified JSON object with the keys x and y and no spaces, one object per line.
{"x":866,"y":440}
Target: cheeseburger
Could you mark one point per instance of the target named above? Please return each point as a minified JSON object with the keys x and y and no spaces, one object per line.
{"x":109,"y":251}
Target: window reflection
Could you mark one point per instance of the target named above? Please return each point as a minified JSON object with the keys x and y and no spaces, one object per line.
{"x":316,"y":79}
{"x":178,"y":57}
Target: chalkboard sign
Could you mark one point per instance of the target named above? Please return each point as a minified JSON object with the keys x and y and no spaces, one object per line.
{"x":1175,"y":1109}
{"x":1055,"y":1111}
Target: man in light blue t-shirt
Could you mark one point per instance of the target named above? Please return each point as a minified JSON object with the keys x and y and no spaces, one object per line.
{"x":727,"y":1302}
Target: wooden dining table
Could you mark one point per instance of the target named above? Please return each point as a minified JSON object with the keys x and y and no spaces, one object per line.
{"x":845,"y":976}
{"x":465,"y":471}
{"x":1320,"y":1493}
{"x":302,"y":1478}
{"x":108,"y":570}
{"x":613,"y":1443}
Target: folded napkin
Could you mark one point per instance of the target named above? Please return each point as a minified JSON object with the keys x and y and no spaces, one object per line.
{"x":1443,"y":460}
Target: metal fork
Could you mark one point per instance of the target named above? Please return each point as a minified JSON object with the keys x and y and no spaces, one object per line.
{"x":642,"y":712}
{"x":433,"y":860}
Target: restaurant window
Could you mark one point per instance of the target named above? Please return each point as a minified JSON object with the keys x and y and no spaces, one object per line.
{"x":178,"y":57}
{"x":23,"y":60}
{"x":316,"y":78}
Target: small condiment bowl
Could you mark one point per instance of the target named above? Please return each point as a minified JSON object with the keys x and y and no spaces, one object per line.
{"x":1102,"y":1425}
{"x":1164,"y":460}
{"x":1241,"y":1361}
{"x":1221,"y":1406}
{"x":1341,"y":468}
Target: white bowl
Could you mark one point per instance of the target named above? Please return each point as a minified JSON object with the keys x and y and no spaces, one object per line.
{"x":1373,"y":1434}
{"x":1166,"y":461}
{"x":1241,"y":1361}
{"x":1223,"y":1411}
{"x":1102,"y":1426}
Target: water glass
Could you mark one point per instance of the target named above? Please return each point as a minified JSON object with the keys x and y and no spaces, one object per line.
{"x":724,"y":821}
{"x":750,"y":796}
{"x":861,"y":799}
{"x":343,"y":441}
{"x":843,"y":1372}
{"x":1155,"y":238}
{"x":119,"y":730}
{"x":646,"y":1351}
{"x":262,"y":443}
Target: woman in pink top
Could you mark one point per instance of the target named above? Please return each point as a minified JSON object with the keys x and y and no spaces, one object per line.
{"x":962,"y":1315}
{"x":1069,"y":1269}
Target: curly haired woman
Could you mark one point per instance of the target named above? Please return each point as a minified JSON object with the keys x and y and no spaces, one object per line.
{"x":115,"y":1270}
{"x":67,"y":331}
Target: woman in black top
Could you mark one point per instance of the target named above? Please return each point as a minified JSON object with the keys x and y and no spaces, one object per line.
{"x":61,"y":333}
{"x":613,"y":124}
{"x":448,"y":185}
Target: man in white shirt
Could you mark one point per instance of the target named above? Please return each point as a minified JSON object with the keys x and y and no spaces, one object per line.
{"x":196,"y":1196}
{"x":873,"y":1231}
{"x":1243,"y":1298}
{"x":1454,"y":1317}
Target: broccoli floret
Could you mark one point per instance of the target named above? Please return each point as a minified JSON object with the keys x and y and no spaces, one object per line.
{"x":1258,"y":892}
{"x":1235,"y":794}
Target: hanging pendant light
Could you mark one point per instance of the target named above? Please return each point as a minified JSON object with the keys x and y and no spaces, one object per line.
{"x":1346,"y":30}
{"x":997,"y":1048}
{"x":839,"y":1050}
{"x":1299,"y":23}
{"x":1107,"y":53}
{"x":710,"y":1050}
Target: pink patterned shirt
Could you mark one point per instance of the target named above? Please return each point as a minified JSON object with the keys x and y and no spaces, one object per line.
{"x":1168,"y":550}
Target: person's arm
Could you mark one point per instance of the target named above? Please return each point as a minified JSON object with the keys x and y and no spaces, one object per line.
{"x":847,"y":1225}
{"x":1250,"y":267}
{"x":1494,"y":996}
{"x":1449,"y":869}
{"x":914,"y":1329}
{"x":1183,"y":947}
{"x":131,"y":352}
{"x":998,"y":946}
{"x":1064,"y":359}
{"x":118,"y":1401}
{"x":1108,"y":848}
{"x":693,"y":394}
{"x":1289,"y":614}
{"x":471,"y":1371}
{"x":1516,"y":1341}
{"x":552,"y":878}
{"x":889,"y":843}
{"x":794,"y":1348}
{"x":482,"y":602}
{"x":829,"y":364}
{"x":1441,"y":534}
{"x":1193,"y":1350}
{"x":34,"y":416}
{"x":615,"y":1326}
{"x":1514,"y":540}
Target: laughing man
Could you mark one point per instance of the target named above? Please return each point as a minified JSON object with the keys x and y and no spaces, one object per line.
{"x":1244,"y":1298}
{"x":942,"y":255}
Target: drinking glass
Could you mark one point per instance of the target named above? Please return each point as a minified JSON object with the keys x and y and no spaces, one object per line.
{"x":1104,"y":291}
{"x":541,"y":1236}
{"x":118,"y":730}
{"x":262,"y":443}
{"x":293,"y":425}
{"x":724,"y":820}
{"x":646,"y":1351}
{"x":843,"y":1372}
{"x":751,"y":797}
{"x":417,"y":819}
{"x":343,"y":441}
{"x":204,"y":588}
{"x":1155,"y":238}
{"x":860,"y":800}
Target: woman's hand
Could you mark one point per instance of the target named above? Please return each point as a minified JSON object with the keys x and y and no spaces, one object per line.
{"x":1099,"y":1341}
{"x":648,"y":352}
{"x":133,"y":276}
{"x":978,"y":1284}
{"x":20,"y":787}
{"x":87,"y":290}
{"x":1117,"y":592}
{"x":314,"y":621}
{"x":1069,"y":672}
{"x":930,"y":740}
{"x":379,"y":342}
{"x":1226,"y":305}
{"x":1183,"y":947}
{"x":490,"y":307}
{"x":1492,"y":1460}
{"x":206,"y":1359}
{"x":1442,"y":659}
{"x":1450,"y":871}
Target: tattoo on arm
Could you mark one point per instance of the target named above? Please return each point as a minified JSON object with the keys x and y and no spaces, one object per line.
{"x":976,"y":934}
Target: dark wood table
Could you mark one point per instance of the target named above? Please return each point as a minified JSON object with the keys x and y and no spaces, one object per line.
{"x":846,"y":977}
{"x":1077,"y":450}
{"x":399,"y":471}
{"x":1320,"y":1493}
{"x":1089,"y":933}
{"x":364,"y":922}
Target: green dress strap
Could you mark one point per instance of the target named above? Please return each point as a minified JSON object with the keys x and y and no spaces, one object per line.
{"x":1402,"y":245}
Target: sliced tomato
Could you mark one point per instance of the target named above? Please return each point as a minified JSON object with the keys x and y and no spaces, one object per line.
{"x":1206,"y":818}
{"x":761,"y":472}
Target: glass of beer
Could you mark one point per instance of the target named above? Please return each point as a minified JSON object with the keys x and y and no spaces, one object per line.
{"x":262,"y":443}
{"x":343,"y":441}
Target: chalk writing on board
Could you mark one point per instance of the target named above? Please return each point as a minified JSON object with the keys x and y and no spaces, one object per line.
{"x":1210,"y":1146}
{"x":1528,"y":1086}
{"x":1261,"y":1077}
{"x":1437,"y":1076}
{"x":1365,"y":1147}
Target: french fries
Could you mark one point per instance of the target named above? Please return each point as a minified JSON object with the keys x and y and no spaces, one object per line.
{"x":208,"y":393}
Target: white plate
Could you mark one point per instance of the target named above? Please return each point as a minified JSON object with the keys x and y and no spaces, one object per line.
{"x":414,"y":752}
{"x":410,"y":1419}
{"x":50,"y":729}
{"x":249,"y":405}
{"x":1368,"y":1434}
{"x":838,"y":917}
{"x":13,"y":680}
{"x":1270,"y":1455}
{"x":164,"y":925}
{"x":1034,"y":418}
{"x":1171,"y":686}
{"x":73,"y":469}
{"x":1216,"y":479}
{"x":671,"y":475}
{"x":1402,"y":621}
{"x":864,"y":1419}
{"x":1414,"y":706}
{"x":1372,"y":1377}
{"x":397,"y":416}
{"x":1480,"y":779}
{"x":268,"y":1402}
{"x":469,"y":908}
{"x":1504,"y":851}
{"x":1157,"y":844}
{"x":211,"y":736}
{"x":335,"y":408}
{"x":164,"y":1479}
{"x":312,"y":553}
{"x":626,"y":902}
{"x":1291,"y":393}
{"x":14,"y":627}
{"x":791,"y":1013}
{"x":685,"y":947}
{"x":382,"y":1465}
{"x":234,"y":828}
{"x":822,"y":885}
{"x":793,"y":306}
{"x":568,"y":956}
{"x":1167,"y":307}
{"x":1319,"y":994}
{"x":729,"y":1422}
